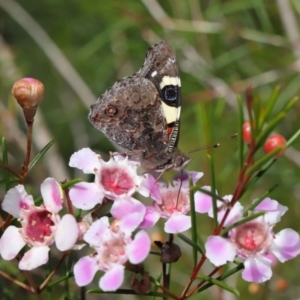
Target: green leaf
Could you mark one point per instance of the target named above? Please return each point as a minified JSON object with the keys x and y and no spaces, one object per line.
{"x":259,"y":200}
{"x":127,"y":292}
{"x":223,"y":276}
{"x":213,"y":188}
{"x":221,"y":284}
{"x":191,"y":243}
{"x":70,"y":183}
{"x":6,"y":174}
{"x":194,"y":222}
{"x":270,"y":105}
{"x":210,"y":193}
{"x":9,"y":180}
{"x":263,"y":160}
{"x":40,"y":155}
{"x":290,"y":104}
{"x":293,"y":138}
{"x":61,"y":279}
{"x":269,"y":128}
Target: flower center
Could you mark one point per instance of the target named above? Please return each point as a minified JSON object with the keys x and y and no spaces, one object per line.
{"x":173,"y":201}
{"x":251,"y":237}
{"x":116,"y":180}
{"x":114,"y":252}
{"x":39,"y":223}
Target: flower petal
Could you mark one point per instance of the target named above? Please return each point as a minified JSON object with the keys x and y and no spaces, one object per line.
{"x":125,"y":206}
{"x":286,"y":244}
{"x":97,"y":233}
{"x":15,"y":200}
{"x":274,"y":210}
{"x":85,"y":195}
{"x":184,"y":176}
{"x":150,"y":188}
{"x":52,"y":194}
{"x":65,"y":239}
{"x":34,"y":258}
{"x":11,"y":243}
{"x":178,"y":223}
{"x":85,"y":160}
{"x":85,"y":270}
{"x":219,"y":250}
{"x":139,"y":248}
{"x":235,"y":213}
{"x":150,"y":218}
{"x":112,"y":279}
{"x":257,"y":269}
{"x":203,"y":202}
{"x":130,"y":222}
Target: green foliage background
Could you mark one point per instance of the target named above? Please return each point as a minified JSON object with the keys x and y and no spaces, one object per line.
{"x":80,"y":48}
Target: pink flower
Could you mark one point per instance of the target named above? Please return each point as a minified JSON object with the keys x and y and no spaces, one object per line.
{"x":171,"y":201}
{"x":41,"y":225}
{"x":203,"y":204}
{"x":256,"y":243}
{"x":115,"y":179}
{"x":113,"y":248}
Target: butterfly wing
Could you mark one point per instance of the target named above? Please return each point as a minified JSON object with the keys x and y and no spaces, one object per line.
{"x":130,"y":115}
{"x":161,"y":69}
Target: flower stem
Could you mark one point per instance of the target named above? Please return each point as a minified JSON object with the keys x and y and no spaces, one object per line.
{"x":28,"y":149}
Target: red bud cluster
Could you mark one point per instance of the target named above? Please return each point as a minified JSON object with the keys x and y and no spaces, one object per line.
{"x":273,"y":142}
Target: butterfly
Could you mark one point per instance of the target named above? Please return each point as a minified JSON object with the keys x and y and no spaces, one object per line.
{"x":141,"y":113}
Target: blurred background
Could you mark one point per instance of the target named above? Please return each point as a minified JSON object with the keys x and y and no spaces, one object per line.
{"x":80,"y":48}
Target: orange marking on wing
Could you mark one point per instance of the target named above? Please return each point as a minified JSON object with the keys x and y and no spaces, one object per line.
{"x":170,"y":130}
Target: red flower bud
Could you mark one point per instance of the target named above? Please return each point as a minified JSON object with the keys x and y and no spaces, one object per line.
{"x":247,"y":136}
{"x":275,"y":141}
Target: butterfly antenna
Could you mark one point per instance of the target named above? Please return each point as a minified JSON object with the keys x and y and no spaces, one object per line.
{"x":215,"y":145}
{"x":156,"y":179}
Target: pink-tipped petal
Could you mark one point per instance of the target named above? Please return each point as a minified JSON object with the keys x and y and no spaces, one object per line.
{"x":33,"y":258}
{"x":203,"y":202}
{"x":150,"y":188}
{"x":286,"y":244}
{"x":235,"y":213}
{"x":52,"y":194}
{"x":126,"y":206}
{"x":139,"y":248}
{"x":85,"y":195}
{"x":274,"y":210}
{"x":150,"y":218}
{"x":85,"y":270}
{"x":195,"y":176}
{"x":130,"y":222}
{"x":257,"y":269}
{"x":178,"y":223}
{"x":15,"y":200}
{"x":85,"y":160}
{"x":97,"y":231}
{"x":219,"y":250}
{"x":67,"y":233}
{"x":112,"y":279}
{"x":11,"y":243}
{"x":184,"y":176}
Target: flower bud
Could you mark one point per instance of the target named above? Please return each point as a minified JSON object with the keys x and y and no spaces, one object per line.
{"x":29,"y":92}
{"x":170,"y":252}
{"x":275,"y":141}
{"x":247,"y":134}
